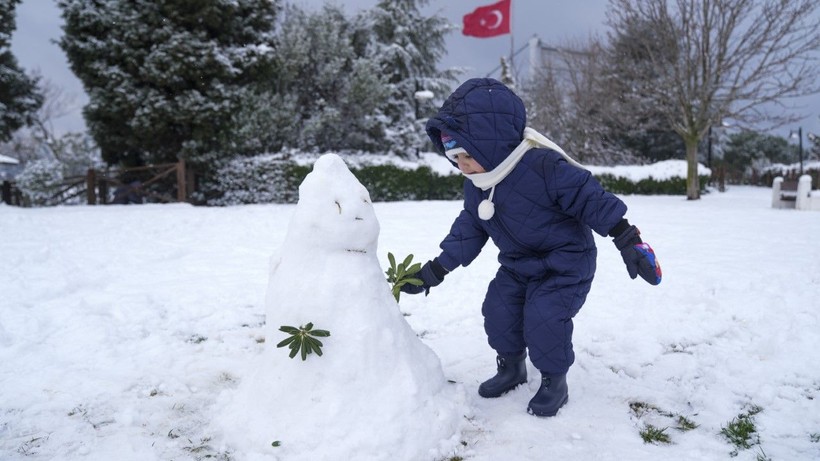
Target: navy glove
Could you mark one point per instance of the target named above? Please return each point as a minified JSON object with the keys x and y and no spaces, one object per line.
{"x":432,"y":273}
{"x":638,"y":256}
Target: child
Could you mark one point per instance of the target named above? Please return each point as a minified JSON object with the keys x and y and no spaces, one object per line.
{"x":539,"y":208}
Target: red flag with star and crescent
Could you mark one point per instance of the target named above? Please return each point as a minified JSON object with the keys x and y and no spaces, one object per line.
{"x":488,"y":21}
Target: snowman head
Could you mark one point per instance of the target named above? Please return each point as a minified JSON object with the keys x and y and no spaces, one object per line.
{"x":334,"y":212}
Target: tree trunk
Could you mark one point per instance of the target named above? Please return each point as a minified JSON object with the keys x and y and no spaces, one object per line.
{"x":692,"y":180}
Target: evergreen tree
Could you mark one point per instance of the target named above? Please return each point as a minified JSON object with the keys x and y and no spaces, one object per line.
{"x":327,"y":84}
{"x":165,"y":78}
{"x":749,"y":150}
{"x":640,"y":126}
{"x":814,"y":150}
{"x":351,"y":83}
{"x":407,"y":48}
{"x":19,"y":98}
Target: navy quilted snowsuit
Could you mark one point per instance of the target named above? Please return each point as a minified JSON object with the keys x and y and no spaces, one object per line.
{"x":544,"y":210}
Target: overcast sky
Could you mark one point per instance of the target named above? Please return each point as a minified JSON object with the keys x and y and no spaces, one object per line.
{"x":553,"y":21}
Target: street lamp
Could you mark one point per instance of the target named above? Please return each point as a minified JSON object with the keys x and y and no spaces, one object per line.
{"x":800,"y":137}
{"x":709,"y":150}
{"x":722,"y":125}
{"x":720,"y":129}
{"x":421,"y":97}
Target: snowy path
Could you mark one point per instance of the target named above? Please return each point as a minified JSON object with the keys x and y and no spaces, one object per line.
{"x":119,"y":327}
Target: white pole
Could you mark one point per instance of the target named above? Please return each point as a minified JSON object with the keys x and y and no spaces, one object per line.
{"x":535,"y":57}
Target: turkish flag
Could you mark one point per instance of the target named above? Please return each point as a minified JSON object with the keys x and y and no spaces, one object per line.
{"x":488,"y":21}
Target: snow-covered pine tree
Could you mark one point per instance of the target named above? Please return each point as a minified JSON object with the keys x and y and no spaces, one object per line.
{"x":334,"y":91}
{"x":748,"y":150}
{"x":638,"y":124}
{"x":19,"y":98}
{"x":407,"y":47}
{"x":164,"y":78}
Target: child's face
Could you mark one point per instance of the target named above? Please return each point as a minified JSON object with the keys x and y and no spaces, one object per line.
{"x":467,"y":164}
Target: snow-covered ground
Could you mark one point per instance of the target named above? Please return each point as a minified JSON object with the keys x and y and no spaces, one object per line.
{"x":121,"y":327}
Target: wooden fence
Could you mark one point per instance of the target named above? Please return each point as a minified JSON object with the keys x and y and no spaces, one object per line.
{"x":161,"y":183}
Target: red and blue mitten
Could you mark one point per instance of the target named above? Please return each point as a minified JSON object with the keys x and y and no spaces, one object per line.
{"x":638,"y":256}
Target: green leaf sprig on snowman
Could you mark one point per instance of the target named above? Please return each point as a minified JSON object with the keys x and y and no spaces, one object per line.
{"x":303,"y":340}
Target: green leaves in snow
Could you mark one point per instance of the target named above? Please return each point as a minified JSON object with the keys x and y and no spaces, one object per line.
{"x":303,"y":340}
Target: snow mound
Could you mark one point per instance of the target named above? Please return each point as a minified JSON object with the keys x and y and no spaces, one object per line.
{"x":660,"y":171}
{"x":377,"y":392}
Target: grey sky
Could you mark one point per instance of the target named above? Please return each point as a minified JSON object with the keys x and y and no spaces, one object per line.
{"x":553,"y":21}
{"x":38,"y":26}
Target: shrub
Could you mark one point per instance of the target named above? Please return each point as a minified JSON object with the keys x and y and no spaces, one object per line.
{"x":38,"y":180}
{"x":275,"y":178}
{"x":390,"y":183}
{"x":790,"y":172}
{"x":260,"y":179}
{"x":649,"y":186}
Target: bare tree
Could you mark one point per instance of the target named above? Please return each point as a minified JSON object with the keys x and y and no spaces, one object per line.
{"x":75,"y":152}
{"x":57,"y":103}
{"x":722,"y":59}
{"x":40,"y":138}
{"x":570,"y":100}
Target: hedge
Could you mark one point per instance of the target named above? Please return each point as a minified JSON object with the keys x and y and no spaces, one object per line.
{"x":276,"y":178}
{"x":767,"y":178}
{"x":648,"y":186}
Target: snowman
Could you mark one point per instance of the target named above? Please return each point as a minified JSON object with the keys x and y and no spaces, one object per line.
{"x":376,"y":392}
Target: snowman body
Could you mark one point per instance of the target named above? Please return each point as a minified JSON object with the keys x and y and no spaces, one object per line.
{"x":377,"y":392}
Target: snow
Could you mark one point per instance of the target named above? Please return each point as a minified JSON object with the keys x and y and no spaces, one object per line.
{"x":131,"y":332}
{"x":436,"y":162}
{"x":794,"y":167}
{"x":658,"y":171}
{"x":9,"y":160}
{"x":424,"y":95}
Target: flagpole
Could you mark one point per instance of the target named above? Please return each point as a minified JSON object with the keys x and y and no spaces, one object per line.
{"x":512,"y":44}
{"x":491,"y":21}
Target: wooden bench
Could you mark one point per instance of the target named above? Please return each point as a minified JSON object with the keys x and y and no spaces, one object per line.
{"x":794,"y":194}
{"x":788,"y":190}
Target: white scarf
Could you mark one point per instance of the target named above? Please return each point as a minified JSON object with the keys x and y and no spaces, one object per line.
{"x":489,"y":179}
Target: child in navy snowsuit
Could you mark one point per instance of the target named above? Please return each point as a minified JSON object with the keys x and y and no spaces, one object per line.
{"x":539,"y":208}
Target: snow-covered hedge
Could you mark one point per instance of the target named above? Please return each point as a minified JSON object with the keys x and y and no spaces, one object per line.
{"x":275,"y":178}
{"x":811,"y":168}
{"x":39,"y":179}
{"x":667,"y":177}
{"x":267,"y":178}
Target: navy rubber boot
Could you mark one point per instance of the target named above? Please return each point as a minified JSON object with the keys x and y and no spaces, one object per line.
{"x":551,"y":396}
{"x":512,"y":371}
